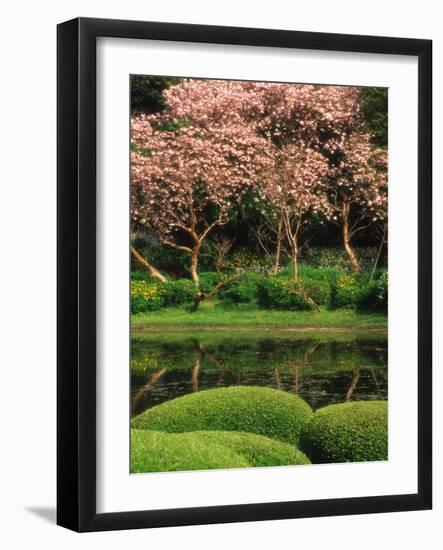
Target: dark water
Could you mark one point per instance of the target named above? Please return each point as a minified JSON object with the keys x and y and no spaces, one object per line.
{"x":321,"y":368}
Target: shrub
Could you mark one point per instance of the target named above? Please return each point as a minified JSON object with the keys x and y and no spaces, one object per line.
{"x":208,"y":280}
{"x":318,"y":290}
{"x":150,"y":296}
{"x":277,"y":293}
{"x":374,"y":296}
{"x":345,"y":291}
{"x":153,"y":451}
{"x":347,"y":432}
{"x":179,"y":292}
{"x":145,"y":296}
{"x":240,"y":292}
{"x":264,"y":411}
{"x":311,"y":273}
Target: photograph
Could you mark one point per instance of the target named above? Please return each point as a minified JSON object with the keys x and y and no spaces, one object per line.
{"x":259,"y":274}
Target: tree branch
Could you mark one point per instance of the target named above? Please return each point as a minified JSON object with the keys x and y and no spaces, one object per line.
{"x":142,"y":261}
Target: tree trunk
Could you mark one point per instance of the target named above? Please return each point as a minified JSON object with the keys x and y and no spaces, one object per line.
{"x":294,"y":265}
{"x":382,"y":242}
{"x":347,"y":238}
{"x":278,"y":249}
{"x":194,"y":266}
{"x":292,"y":239}
{"x":142,"y":261}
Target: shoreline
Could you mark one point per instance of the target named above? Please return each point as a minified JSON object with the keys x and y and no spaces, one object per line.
{"x":249,"y":328}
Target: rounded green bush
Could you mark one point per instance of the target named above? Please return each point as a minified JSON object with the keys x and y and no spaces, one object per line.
{"x":264,"y":411}
{"x":347,"y":432}
{"x":153,"y":451}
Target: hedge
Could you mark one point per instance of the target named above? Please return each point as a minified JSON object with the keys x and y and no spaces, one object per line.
{"x":153,"y":451}
{"x":347,"y":432}
{"x":264,"y":411}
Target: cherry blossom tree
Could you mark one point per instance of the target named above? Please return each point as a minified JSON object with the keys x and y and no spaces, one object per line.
{"x":321,"y":120}
{"x":295,"y":189}
{"x":300,"y":148}
{"x":357,"y":193}
{"x":184,"y":183}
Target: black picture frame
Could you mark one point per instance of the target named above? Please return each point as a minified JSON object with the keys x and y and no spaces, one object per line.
{"x":76,"y":265}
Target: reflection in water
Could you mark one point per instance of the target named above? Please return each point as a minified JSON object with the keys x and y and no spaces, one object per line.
{"x":321,"y":371}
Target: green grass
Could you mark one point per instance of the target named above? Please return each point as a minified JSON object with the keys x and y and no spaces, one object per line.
{"x":211,"y":315}
{"x":347,"y":432}
{"x":263,"y":411}
{"x":153,"y":451}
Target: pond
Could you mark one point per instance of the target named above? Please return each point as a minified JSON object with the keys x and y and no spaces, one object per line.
{"x":320,"y":367}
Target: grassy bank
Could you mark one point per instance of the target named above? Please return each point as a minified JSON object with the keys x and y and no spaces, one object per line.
{"x":211,"y":315}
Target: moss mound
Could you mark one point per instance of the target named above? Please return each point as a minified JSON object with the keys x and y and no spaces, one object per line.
{"x":165,"y":452}
{"x":347,"y":432}
{"x":263,"y":411}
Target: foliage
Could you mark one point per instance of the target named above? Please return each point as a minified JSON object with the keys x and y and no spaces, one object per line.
{"x":317,"y":290}
{"x":375,"y":111}
{"x":336,"y":259}
{"x":145,"y":296}
{"x":313,"y":273}
{"x":243,"y":289}
{"x":209,"y":279}
{"x":241,"y":292}
{"x":147,"y":93}
{"x":326,"y":287}
{"x":179,"y":292}
{"x":345,"y":290}
{"x":374,"y":296}
{"x":153,"y":451}
{"x":347,"y":432}
{"x":245,"y":260}
{"x":164,"y":258}
{"x":149,"y":295}
{"x":264,"y":411}
{"x":357,"y":290}
{"x":277,"y":293}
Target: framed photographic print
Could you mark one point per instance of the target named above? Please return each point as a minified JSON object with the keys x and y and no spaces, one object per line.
{"x":244,"y":274}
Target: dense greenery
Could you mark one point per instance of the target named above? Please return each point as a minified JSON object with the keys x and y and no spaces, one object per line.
{"x":347,"y":432}
{"x":153,"y":451}
{"x":375,"y":112}
{"x":147,"y":93}
{"x":183,"y":436}
{"x":316,"y":287}
{"x":263,"y":411}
